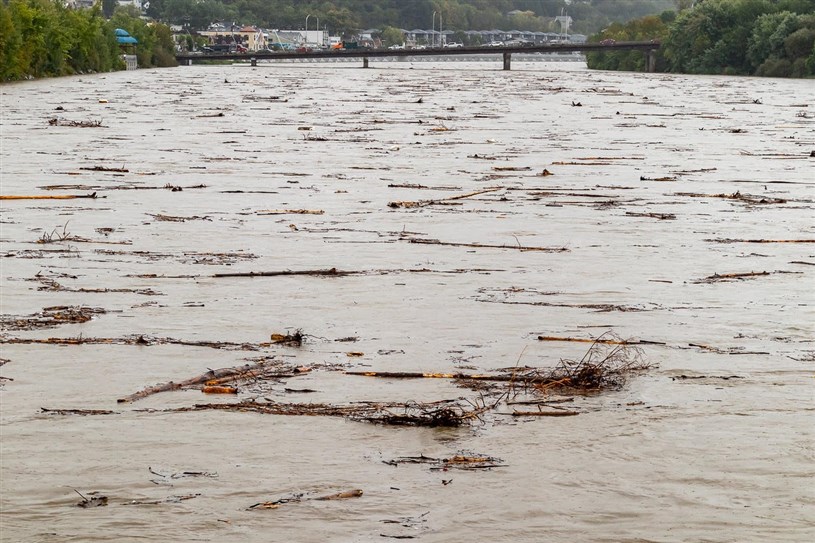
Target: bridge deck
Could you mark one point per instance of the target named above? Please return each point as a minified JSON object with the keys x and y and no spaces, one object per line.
{"x":447,"y":51}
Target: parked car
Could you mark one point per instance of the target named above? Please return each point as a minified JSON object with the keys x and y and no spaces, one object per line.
{"x":222,"y":48}
{"x":495,"y":44}
{"x":453,"y":45}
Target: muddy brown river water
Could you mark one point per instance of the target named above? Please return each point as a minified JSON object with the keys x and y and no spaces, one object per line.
{"x":679,"y":212}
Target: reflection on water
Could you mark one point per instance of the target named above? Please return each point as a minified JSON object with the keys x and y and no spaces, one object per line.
{"x":670,"y":195}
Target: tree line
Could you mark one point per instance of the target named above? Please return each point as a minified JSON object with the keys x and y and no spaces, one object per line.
{"x":44,"y":38}
{"x":349,"y":16}
{"x":773,"y":38}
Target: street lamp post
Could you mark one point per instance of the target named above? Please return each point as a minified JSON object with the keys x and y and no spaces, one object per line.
{"x":318,"y":31}
{"x":433,"y":31}
{"x":306,"y":37}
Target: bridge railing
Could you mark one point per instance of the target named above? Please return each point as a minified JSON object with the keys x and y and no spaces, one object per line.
{"x":647,"y":46}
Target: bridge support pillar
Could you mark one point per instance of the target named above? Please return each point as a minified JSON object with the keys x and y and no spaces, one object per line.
{"x":253,"y":61}
{"x":364,"y":62}
{"x":507,"y":61}
{"x":651,"y":61}
{"x":189,"y":62}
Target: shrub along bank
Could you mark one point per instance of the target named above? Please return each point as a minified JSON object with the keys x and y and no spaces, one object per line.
{"x":43,"y":38}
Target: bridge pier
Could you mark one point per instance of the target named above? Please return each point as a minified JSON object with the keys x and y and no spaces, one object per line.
{"x":651,"y":61}
{"x":253,"y":61}
{"x":507,"y":61}
{"x":364,"y":62}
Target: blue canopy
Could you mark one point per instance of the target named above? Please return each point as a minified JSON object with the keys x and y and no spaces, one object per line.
{"x":123,"y":37}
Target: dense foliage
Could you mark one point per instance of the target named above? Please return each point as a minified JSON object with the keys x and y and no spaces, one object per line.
{"x":41,"y":38}
{"x":741,"y":37}
{"x":346,"y":16}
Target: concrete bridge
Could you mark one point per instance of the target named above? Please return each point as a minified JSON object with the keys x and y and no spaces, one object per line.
{"x":647,"y":47}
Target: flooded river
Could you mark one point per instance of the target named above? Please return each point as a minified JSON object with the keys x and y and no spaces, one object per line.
{"x":678,"y":216}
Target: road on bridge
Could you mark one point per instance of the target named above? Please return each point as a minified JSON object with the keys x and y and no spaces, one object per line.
{"x":648,"y":47}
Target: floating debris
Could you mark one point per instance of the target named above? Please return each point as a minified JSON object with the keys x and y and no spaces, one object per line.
{"x":356,"y":493}
{"x":212,"y":381}
{"x":57,"y":121}
{"x":461,"y":461}
{"x":725,"y":277}
{"x":81,"y":412}
{"x":94,"y":500}
{"x":105,"y":169}
{"x":441,"y":201}
{"x":170,"y":499}
{"x":518,"y":247}
{"x":50,"y":317}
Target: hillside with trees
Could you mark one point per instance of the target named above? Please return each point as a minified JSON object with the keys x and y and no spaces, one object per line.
{"x":774,"y":38}
{"x":348,"y":16}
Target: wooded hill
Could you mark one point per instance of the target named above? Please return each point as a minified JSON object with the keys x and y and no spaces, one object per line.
{"x":773,"y":38}
{"x":348,"y":16}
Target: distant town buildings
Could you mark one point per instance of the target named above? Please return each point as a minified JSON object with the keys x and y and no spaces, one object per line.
{"x":257,"y":39}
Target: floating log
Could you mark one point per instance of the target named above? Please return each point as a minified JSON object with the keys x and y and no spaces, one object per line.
{"x":423,"y":203}
{"x":660,"y":216}
{"x":82,"y":412}
{"x":356,"y":493}
{"x":332,"y":272}
{"x":735,"y":196}
{"x":105,"y":169}
{"x":447,"y":413}
{"x":563,"y":413}
{"x":130,"y":340}
{"x":488,"y":246}
{"x":290,"y":212}
{"x":249,"y":370}
{"x":730,"y":240}
{"x":51,"y":196}
{"x":420,"y":375}
{"x":739,"y":276}
{"x":215,"y":389}
{"x":600,"y":340}
{"x":541,"y":402}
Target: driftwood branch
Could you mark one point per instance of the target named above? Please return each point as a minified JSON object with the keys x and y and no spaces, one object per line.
{"x":332,"y":272}
{"x":488,"y":246}
{"x":544,"y":413}
{"x":424,"y":203}
{"x":601,"y":340}
{"x":210,"y":378}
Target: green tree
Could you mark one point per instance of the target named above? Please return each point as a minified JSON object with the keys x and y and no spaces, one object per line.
{"x":392,"y":36}
{"x":43,"y":38}
{"x":647,"y":28}
{"x":769,"y":33}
